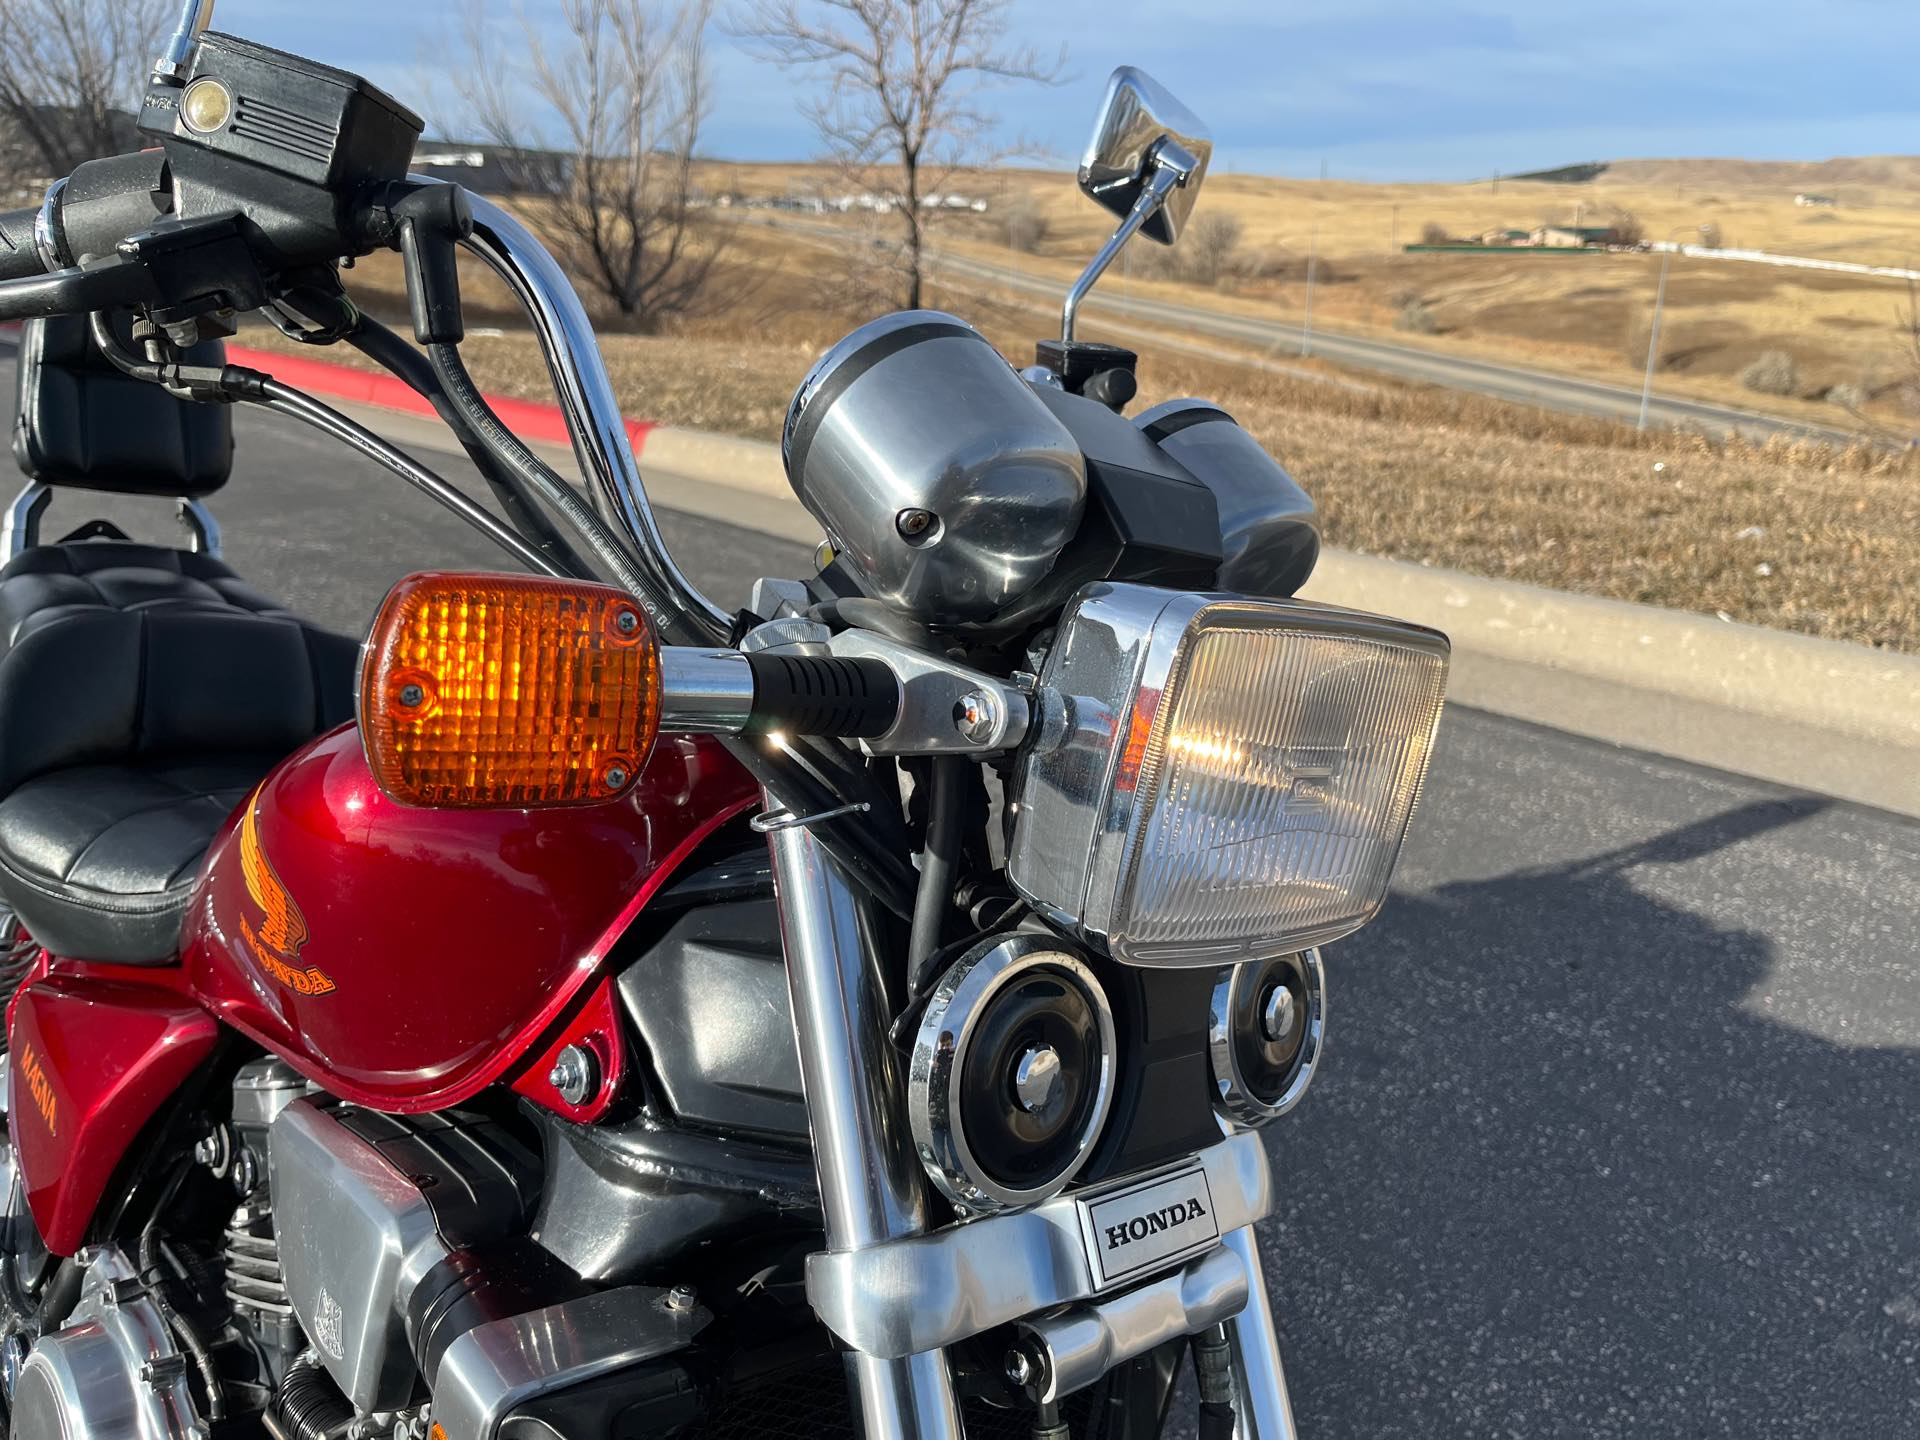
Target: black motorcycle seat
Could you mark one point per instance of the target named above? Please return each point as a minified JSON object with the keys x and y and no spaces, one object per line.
{"x":39,"y":585}
{"x":143,"y":693}
{"x":99,"y":861}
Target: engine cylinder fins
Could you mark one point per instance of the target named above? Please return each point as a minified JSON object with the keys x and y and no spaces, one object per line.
{"x":1266,"y":1032}
{"x":1013,"y":1073}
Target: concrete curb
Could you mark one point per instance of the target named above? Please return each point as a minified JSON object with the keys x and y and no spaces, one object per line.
{"x":1813,"y":714}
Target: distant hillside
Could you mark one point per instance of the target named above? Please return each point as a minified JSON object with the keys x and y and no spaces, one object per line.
{"x":1885,"y":172}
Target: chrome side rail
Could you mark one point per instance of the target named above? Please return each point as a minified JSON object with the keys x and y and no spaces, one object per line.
{"x":203,"y":531}
{"x":20,"y":528}
{"x":871,"y":1191}
{"x":586,"y":396}
{"x":932,"y":1290}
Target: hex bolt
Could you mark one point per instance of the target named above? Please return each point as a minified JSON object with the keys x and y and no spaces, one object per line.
{"x":913,"y":523}
{"x":976,"y":715}
{"x":1277,"y":1015}
{"x":1020,"y":1368}
{"x":682,"y":1297}
{"x":575,"y":1075}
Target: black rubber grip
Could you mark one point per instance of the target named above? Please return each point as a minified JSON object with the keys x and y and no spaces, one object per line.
{"x":821,"y":695}
{"x":18,"y":257}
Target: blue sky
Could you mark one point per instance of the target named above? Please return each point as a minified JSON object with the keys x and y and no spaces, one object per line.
{"x":1378,"y":89}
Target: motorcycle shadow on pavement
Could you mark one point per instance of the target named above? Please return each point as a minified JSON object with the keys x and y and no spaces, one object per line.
{"x":1561,"y":1176}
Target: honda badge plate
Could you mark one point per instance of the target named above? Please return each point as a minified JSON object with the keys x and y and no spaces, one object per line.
{"x":1147,"y":1225}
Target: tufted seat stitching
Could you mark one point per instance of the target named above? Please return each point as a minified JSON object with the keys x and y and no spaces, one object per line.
{"x":116,"y":676}
{"x":182,"y":799}
{"x":153,"y":902}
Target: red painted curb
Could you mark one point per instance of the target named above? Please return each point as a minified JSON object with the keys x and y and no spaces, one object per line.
{"x":526,"y":418}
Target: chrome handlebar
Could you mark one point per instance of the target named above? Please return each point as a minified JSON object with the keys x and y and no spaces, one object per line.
{"x":600,"y":439}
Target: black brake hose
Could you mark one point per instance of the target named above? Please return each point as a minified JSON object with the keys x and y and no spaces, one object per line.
{"x":386,"y":349}
{"x":237,"y":382}
{"x":464,"y":397}
{"x":939,"y":862}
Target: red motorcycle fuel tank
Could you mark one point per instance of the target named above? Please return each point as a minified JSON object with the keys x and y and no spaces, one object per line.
{"x":405,"y":958}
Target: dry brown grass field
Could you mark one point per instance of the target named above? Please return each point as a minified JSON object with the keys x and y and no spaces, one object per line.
{"x":1805,"y":538}
{"x":1585,"y":313}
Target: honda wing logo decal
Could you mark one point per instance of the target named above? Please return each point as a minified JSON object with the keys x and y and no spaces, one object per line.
{"x":276,"y":940}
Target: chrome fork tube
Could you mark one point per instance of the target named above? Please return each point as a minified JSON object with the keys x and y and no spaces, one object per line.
{"x":592,"y":411}
{"x":870,"y":1186}
{"x":1261,"y":1410}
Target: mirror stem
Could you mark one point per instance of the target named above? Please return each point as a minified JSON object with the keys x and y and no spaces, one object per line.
{"x":1171,"y":167}
{"x":171,"y":67}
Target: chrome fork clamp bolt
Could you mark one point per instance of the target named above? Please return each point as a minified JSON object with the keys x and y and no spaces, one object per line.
{"x":976,"y":716}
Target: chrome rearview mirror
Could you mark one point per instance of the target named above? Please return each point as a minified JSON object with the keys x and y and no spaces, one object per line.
{"x":1145,"y":163}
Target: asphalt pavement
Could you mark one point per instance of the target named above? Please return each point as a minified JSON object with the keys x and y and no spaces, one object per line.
{"x":1617,"y":1131}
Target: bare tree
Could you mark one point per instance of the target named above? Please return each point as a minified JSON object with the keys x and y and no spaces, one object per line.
{"x":902,"y":104}
{"x":623,"y":88}
{"x":73,"y":74}
{"x":1211,"y":245}
{"x":1023,"y":224}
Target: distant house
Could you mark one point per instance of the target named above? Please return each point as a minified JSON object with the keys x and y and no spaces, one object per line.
{"x":1806,"y":198}
{"x":1506,"y":237}
{"x":494,"y":169}
{"x":1573,"y":237}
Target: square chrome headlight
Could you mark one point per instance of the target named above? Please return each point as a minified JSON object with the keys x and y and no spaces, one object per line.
{"x":1217,"y":779}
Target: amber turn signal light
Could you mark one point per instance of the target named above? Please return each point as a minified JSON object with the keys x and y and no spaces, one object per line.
{"x":507,"y":690}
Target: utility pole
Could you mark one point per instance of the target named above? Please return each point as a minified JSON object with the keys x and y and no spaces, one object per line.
{"x":1313,"y":255}
{"x":1659,"y":306}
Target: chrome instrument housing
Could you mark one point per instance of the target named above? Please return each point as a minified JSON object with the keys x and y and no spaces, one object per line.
{"x":1269,"y":526}
{"x":940,"y":1080}
{"x":945,"y":485}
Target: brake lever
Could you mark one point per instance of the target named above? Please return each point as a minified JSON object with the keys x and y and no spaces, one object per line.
{"x":99,"y":285}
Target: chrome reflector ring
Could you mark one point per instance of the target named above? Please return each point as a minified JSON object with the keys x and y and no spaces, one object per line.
{"x":1012,"y":1074}
{"x":1266,"y":1033}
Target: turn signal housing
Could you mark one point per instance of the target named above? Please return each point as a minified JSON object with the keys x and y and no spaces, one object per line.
{"x":484,"y":690}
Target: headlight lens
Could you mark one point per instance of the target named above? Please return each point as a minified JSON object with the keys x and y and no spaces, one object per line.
{"x":1219,"y":779}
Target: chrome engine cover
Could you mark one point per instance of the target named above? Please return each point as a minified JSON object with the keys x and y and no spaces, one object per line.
{"x":365,"y":1206}
{"x":113,"y":1372}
